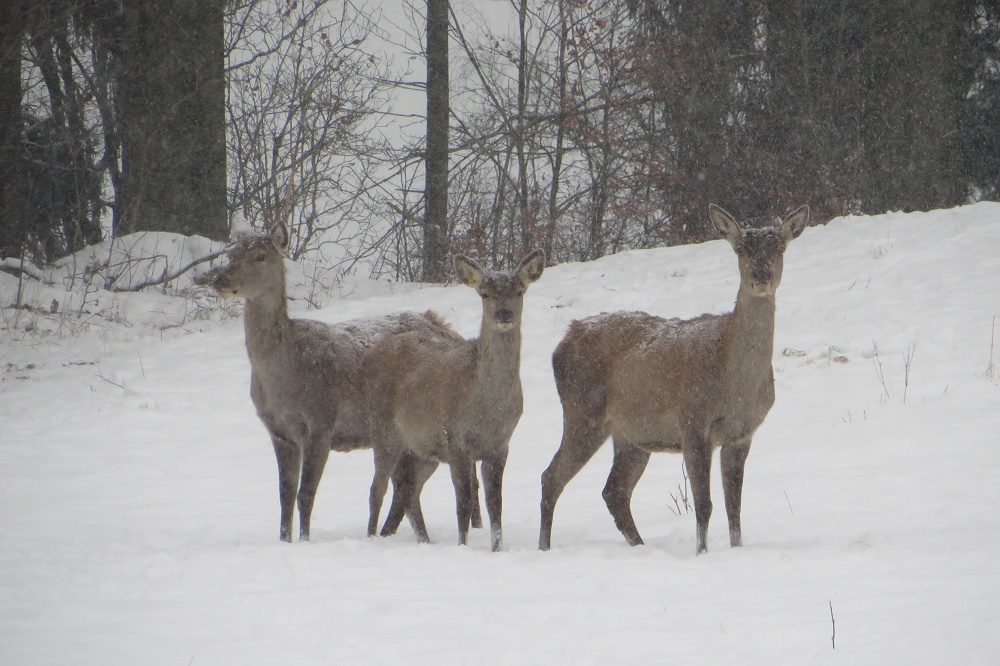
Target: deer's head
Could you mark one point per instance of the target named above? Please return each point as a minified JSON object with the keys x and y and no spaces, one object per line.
{"x":760,"y":251}
{"x":502,"y":292}
{"x":254,"y":266}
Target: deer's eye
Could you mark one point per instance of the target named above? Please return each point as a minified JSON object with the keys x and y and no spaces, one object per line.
{"x":484,"y":295}
{"x":261,"y":257}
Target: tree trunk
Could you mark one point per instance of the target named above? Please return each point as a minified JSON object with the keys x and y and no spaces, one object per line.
{"x":12,"y":222}
{"x":911,"y":158}
{"x":171,"y":97}
{"x":557,"y":158}
{"x":528,"y":232}
{"x":435,"y":248}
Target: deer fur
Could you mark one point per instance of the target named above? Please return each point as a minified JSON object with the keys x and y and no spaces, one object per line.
{"x":655,"y":384}
{"x":305,"y":378}
{"x":451,"y":400}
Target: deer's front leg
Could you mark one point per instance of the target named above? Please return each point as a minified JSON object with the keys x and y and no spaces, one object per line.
{"x":733,"y":458}
{"x":493,"y":467}
{"x":462,"y":469}
{"x":289,"y":457}
{"x":698,"y":460}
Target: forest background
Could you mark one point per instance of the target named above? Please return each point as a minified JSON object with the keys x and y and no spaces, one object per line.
{"x":584,"y":127}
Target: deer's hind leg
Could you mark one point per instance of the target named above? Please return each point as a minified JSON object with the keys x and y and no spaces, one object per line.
{"x":626,"y":470}
{"x":386,"y":461}
{"x":463,"y":468}
{"x":412,"y":473}
{"x":583,"y":434}
{"x":477,"y":514}
{"x":313,"y":464}
{"x":408,"y":481}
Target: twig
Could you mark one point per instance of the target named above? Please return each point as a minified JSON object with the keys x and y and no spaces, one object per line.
{"x":789,"y":502}
{"x":880,"y":373}
{"x":833,"y":624}
{"x":907,"y":361}
{"x":681,"y":499}
{"x":990,"y":366}
{"x":172,"y":276}
{"x":101,"y":375}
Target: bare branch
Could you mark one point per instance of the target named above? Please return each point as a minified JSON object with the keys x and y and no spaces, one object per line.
{"x":172,"y":276}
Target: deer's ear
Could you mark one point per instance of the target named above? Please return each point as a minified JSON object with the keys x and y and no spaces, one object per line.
{"x":794,"y":224}
{"x":469,"y":272}
{"x":531,"y":267}
{"x":279,"y":236}
{"x":726,"y":224}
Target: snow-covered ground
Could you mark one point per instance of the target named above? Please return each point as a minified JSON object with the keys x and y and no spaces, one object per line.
{"x":138,"y":490}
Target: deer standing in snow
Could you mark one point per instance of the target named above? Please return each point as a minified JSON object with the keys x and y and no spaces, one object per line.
{"x":655,"y":384}
{"x":305,"y":378}
{"x":451,"y":400}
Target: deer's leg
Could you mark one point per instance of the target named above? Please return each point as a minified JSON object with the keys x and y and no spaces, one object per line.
{"x":733,"y":458}
{"x":313,"y":463}
{"x":408,"y":480}
{"x":698,"y":461}
{"x":580,"y":441}
{"x":629,"y":464}
{"x":289,"y":457}
{"x":414,"y":512}
{"x":493,"y":467}
{"x":462,"y":469}
{"x":477,"y":514}
{"x":386,"y":461}
{"x":402,"y":488}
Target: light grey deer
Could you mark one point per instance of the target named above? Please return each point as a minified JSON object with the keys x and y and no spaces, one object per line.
{"x":657,"y":384}
{"x":305,"y":378}
{"x":451,"y":400}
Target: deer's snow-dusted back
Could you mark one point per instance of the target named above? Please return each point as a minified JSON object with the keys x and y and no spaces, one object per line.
{"x":447,"y":399}
{"x":305,"y":376}
{"x":655,"y":384}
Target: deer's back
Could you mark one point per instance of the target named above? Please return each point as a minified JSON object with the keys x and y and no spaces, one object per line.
{"x":646,"y":376}
{"x":584,"y":358}
{"x":420,"y":382}
{"x":310,"y":385}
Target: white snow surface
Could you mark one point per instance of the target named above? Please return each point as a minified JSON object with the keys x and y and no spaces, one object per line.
{"x":139,"y":520}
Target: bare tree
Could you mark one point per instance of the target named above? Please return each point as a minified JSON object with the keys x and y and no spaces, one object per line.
{"x":546,"y":126}
{"x":304,"y":107}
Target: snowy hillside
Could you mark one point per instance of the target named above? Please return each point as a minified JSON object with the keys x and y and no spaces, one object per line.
{"x":140,"y":509}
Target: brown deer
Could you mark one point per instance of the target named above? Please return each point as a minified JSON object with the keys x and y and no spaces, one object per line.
{"x":451,"y":400}
{"x":657,"y":384}
{"x":305,"y":378}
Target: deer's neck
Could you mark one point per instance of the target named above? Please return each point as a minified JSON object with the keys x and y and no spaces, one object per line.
{"x":750,"y":337}
{"x":498,"y":364}
{"x":267,"y":326}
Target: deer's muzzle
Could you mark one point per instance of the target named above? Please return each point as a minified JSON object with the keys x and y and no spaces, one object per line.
{"x":221,"y":285}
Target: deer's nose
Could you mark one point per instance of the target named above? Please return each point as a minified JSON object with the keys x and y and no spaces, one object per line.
{"x":505,"y":315}
{"x":762,"y":274}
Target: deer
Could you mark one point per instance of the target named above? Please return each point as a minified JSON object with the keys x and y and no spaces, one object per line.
{"x":451,"y":400}
{"x":305,"y":375}
{"x":669,"y":385}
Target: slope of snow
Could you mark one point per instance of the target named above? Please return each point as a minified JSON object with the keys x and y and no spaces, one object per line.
{"x":140,"y":511}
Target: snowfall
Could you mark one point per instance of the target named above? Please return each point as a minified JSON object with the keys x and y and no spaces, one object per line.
{"x":139,"y":520}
